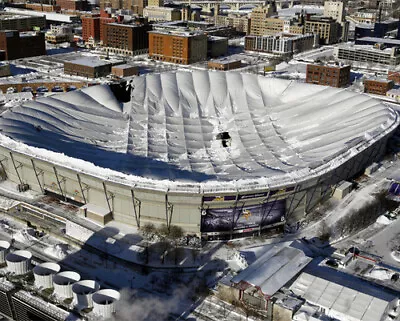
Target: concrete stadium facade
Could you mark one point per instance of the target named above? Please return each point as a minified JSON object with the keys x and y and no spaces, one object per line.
{"x":221,"y":209}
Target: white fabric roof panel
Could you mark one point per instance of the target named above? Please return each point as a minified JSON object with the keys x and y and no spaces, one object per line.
{"x":340,"y":301}
{"x":279,"y":129}
{"x":274,"y":269}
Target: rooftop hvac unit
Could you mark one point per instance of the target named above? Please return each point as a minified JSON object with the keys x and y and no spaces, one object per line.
{"x":19,"y":262}
{"x":104,"y":302}
{"x":83,"y":292}
{"x":63,"y":282}
{"x":4,"y":248}
{"x":44,"y":274}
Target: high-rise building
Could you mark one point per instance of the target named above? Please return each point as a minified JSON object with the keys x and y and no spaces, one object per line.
{"x":326,"y":27}
{"x":335,"y":10}
{"x":259,"y":16}
{"x":15,"y":45}
{"x":126,"y":39}
{"x":178,"y":46}
{"x":91,"y":27}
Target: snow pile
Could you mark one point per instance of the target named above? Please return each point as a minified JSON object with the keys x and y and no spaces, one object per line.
{"x":380,"y":274}
{"x":383,"y":220}
{"x":25,"y":236}
{"x":396,"y":255}
{"x":59,"y":251}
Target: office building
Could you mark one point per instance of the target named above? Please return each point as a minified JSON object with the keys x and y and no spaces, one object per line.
{"x":73,"y":5}
{"x":180,"y":47}
{"x":259,"y":17}
{"x":90,"y":28}
{"x":378,"y":86}
{"x":217,"y":46}
{"x":281,"y":43}
{"x":369,"y":54}
{"x":155,"y":3}
{"x":328,"y":75}
{"x":335,"y":10}
{"x":241,"y":23}
{"x":126,"y":39}
{"x":17,"y":45}
{"x":21,"y":22}
{"x":326,"y":27}
{"x":59,"y":34}
{"x":87,"y":67}
{"x":161,"y":13}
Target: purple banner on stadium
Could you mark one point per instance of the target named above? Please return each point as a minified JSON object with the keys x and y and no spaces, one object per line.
{"x":237,"y":218}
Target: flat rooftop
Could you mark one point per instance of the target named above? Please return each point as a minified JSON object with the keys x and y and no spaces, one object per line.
{"x":90,"y":62}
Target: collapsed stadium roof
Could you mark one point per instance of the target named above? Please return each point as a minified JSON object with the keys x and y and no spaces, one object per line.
{"x":223,"y":129}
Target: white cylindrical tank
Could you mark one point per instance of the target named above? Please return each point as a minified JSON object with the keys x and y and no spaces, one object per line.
{"x":83,"y":292}
{"x":44,"y":274}
{"x":104,"y":302}
{"x":4,"y":248}
{"x":63,"y":282}
{"x":19,"y":262}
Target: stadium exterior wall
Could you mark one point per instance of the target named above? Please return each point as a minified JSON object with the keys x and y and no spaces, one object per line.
{"x":137,"y":206}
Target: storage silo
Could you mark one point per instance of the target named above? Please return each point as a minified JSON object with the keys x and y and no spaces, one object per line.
{"x":83,"y":292}
{"x":44,"y":274}
{"x":104,"y":302}
{"x":63,"y":282}
{"x":19,"y":262}
{"x":4,"y":248}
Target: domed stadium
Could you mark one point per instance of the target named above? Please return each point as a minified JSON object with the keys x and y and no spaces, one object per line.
{"x":219,"y":154}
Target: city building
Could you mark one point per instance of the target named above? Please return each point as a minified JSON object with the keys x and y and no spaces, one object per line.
{"x":124,"y":70}
{"x":73,"y":5}
{"x":382,"y":29}
{"x":161,"y":13}
{"x":90,"y":28}
{"x":328,"y":75}
{"x":217,"y":46}
{"x":15,"y":45}
{"x":5,"y":70}
{"x":59,"y":34}
{"x":259,"y":17}
{"x":180,"y":47}
{"x":327,"y":29}
{"x":42,"y":7}
{"x":378,"y":86}
{"x":87,"y":67}
{"x":224,"y":64}
{"x":367,"y":16}
{"x":335,"y":10}
{"x":241,"y":23}
{"x":136,"y":6}
{"x":386,"y":42}
{"x":394,"y":94}
{"x":126,"y":39}
{"x":395,"y":76}
{"x":21,"y":22}
{"x":155,"y":3}
{"x":281,"y":43}
{"x":369,"y":54}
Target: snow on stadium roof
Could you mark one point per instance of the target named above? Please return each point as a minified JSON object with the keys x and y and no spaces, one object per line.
{"x":201,"y":126}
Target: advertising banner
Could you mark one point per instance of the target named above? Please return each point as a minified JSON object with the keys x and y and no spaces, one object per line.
{"x":242,"y":217}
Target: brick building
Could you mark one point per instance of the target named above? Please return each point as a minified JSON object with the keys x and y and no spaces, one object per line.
{"x":178,"y":47}
{"x":90,"y":28}
{"x":87,"y":67}
{"x":73,"y":5}
{"x":378,"y":86}
{"x":42,"y":7}
{"x":395,"y":76}
{"x":334,"y":76}
{"x":224,"y":64}
{"x":136,"y":6}
{"x":126,"y":39}
{"x":15,"y":44}
{"x":124,"y":70}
